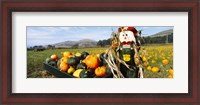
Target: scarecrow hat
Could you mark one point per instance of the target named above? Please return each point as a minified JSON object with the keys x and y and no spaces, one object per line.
{"x":120,"y":29}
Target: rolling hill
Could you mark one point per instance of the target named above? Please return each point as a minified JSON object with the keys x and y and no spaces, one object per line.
{"x":163,"y":33}
{"x":80,"y":43}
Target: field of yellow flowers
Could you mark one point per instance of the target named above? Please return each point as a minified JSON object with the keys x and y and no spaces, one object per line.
{"x":157,"y":60}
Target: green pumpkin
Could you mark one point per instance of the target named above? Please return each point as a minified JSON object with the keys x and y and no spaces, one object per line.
{"x":84,"y":55}
{"x":85,"y":74}
{"x":90,"y":71}
{"x":81,"y":66}
{"x":72,"y":61}
{"x":78,"y":56}
{"x":103,"y":56}
{"x":48,"y":60}
{"x":53,"y":63}
{"x":108,"y":73}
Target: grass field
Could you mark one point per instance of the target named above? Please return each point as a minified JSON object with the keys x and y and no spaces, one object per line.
{"x":155,"y":54}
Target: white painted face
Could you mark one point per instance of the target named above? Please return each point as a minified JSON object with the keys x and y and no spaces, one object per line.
{"x":126,"y":36}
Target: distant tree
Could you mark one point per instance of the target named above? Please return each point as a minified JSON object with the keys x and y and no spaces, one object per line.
{"x":104,"y":42}
{"x":35,"y":46}
{"x":100,"y":43}
{"x":157,"y":40}
{"x":50,"y":47}
{"x":38,"y":48}
{"x":30,"y":48}
{"x":170,"y":38}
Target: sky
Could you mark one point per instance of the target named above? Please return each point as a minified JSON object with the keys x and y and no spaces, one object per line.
{"x":37,"y":35}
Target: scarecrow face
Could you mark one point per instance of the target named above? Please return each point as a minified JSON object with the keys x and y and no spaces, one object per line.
{"x":126,"y":36}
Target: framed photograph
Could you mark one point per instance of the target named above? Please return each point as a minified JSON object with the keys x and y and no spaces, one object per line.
{"x":87,"y":51}
{"x":100,"y":52}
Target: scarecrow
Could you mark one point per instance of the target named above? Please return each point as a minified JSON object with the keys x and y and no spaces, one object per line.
{"x":125,"y":45}
{"x":128,"y":48}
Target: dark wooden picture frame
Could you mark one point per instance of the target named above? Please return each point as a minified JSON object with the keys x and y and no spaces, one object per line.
{"x":9,"y":6}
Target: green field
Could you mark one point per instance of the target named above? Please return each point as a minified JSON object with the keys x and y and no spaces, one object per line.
{"x":155,"y":55}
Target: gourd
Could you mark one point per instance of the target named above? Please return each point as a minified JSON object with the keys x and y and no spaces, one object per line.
{"x":78,"y":56}
{"x":77,"y":73}
{"x":84,"y":55}
{"x":72,"y":61}
{"x":86,"y":74}
{"x":102,"y":57}
{"x":53,"y":63}
{"x":48,"y":60}
{"x":108,"y":73}
{"x":81,"y":66}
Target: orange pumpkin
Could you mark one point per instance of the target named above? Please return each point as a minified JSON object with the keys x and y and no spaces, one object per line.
{"x":100,"y":71}
{"x":64,"y":66}
{"x":84,"y":60}
{"x":92,"y":61}
{"x":155,"y":69}
{"x":165,"y":61}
